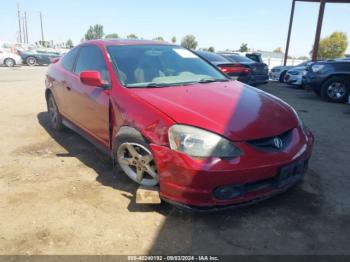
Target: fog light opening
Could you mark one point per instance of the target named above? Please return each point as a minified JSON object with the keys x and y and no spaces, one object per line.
{"x":228,"y":192}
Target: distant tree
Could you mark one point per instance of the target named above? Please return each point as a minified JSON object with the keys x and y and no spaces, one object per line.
{"x":69,"y":43}
{"x":132,"y":36}
{"x":333,"y":46}
{"x":44,"y":43}
{"x":112,"y":36}
{"x":189,"y":41}
{"x":303,"y":58}
{"x":94,"y":32}
{"x":173,"y":39}
{"x":159,"y":38}
{"x":278,"y":50}
{"x":209,"y":49}
{"x":244,"y":48}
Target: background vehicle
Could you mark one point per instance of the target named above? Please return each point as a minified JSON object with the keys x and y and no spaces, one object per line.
{"x":278,"y":73}
{"x":38,"y":57}
{"x":294,"y":76}
{"x":329,"y":79}
{"x":9,"y":59}
{"x":239,"y":67}
{"x":258,"y":70}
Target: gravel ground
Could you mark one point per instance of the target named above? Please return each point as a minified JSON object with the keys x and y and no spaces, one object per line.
{"x":59,"y":195}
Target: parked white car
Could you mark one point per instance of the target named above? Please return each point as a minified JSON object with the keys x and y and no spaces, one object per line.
{"x":278,"y":73}
{"x":294,"y":76}
{"x":9,"y":59}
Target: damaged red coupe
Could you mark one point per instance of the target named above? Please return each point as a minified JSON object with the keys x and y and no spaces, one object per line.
{"x":171,"y":119}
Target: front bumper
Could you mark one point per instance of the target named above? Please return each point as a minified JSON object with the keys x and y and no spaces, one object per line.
{"x":313,"y":80}
{"x":274,"y":76}
{"x":191,"y":183}
{"x":294,"y":79}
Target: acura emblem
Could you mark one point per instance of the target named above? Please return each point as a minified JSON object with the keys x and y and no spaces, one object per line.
{"x":278,"y":142}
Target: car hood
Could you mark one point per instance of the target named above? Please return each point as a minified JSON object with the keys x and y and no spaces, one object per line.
{"x":298,"y":68}
{"x":232,"y":109}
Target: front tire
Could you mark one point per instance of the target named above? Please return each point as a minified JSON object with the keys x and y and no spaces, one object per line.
{"x":282,"y":76}
{"x":54,"y":114}
{"x":336,"y":90}
{"x":31,"y":61}
{"x":9,"y":62}
{"x":135,"y":158}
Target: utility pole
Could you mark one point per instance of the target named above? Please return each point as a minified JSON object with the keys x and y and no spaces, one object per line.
{"x":19,"y":24}
{"x":42,"y":29}
{"x":24,"y":30}
{"x":289,"y":32}
{"x":318,"y":30}
{"x":25,"y":19}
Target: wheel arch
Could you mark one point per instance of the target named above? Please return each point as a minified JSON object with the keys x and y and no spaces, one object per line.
{"x":345,"y":75}
{"x":282,"y":74}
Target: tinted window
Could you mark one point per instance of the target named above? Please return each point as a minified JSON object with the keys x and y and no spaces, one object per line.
{"x":256,"y":58}
{"x":90,"y":59}
{"x":212,"y":57}
{"x":141,"y":65}
{"x":69,"y":59}
{"x":239,"y":59}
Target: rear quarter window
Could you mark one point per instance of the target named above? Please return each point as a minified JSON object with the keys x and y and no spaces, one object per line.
{"x":68,"y":60}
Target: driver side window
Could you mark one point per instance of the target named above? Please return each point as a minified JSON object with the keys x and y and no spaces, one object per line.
{"x":90,"y":59}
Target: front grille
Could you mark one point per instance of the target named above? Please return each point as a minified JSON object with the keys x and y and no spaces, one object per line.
{"x":275,"y":143}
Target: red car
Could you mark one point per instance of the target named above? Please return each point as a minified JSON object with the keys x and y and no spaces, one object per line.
{"x":172,"y":120}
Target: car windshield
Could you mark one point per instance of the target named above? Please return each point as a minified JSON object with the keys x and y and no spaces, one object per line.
{"x":160,"y":66}
{"x":238,"y":58}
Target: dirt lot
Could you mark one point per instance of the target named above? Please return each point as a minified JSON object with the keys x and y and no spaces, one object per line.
{"x":59,"y":195}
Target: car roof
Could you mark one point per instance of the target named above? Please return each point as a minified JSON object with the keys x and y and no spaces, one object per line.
{"x":116,"y":42}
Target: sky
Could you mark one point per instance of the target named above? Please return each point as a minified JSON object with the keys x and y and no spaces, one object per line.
{"x":224,"y":24}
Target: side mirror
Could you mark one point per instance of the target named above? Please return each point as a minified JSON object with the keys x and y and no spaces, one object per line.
{"x":92,"y":78}
{"x":54,"y":60}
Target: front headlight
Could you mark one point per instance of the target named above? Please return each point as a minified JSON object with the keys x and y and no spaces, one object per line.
{"x":197,"y":142}
{"x":301,"y":124}
{"x":317,"y":68}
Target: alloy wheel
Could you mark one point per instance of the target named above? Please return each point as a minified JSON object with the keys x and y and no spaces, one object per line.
{"x":137,"y":162}
{"x":9,"y":62}
{"x":336,"y":90}
{"x":31,"y":61}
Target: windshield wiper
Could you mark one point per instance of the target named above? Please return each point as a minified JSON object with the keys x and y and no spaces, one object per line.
{"x":151,"y":85}
{"x":211,"y":80}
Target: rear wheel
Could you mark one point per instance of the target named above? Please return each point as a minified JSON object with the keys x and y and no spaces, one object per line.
{"x":336,"y":89}
{"x":135,"y":158}
{"x":9,"y":62}
{"x":31,"y":61}
{"x":54,"y":114}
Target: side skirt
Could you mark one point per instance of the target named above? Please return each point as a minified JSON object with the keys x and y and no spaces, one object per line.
{"x":86,"y":136}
